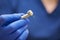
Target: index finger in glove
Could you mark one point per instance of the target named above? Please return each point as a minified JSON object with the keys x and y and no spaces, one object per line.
{"x":8,"y":18}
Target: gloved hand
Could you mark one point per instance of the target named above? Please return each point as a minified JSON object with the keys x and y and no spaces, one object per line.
{"x":12,"y":27}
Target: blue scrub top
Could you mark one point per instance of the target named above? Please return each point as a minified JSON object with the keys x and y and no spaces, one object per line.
{"x":42,"y":26}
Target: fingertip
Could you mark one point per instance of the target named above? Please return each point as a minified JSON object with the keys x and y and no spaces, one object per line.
{"x":8,"y":18}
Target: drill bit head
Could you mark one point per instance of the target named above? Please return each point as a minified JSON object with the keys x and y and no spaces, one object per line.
{"x":30,"y":13}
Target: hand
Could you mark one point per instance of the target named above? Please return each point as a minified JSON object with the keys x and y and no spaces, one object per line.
{"x":12,"y":27}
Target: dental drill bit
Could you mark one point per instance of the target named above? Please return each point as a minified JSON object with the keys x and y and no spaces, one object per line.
{"x":28,"y":14}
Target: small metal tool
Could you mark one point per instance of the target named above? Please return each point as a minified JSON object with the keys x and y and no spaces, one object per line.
{"x":28,"y":14}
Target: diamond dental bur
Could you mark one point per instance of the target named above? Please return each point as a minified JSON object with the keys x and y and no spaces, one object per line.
{"x":28,"y":14}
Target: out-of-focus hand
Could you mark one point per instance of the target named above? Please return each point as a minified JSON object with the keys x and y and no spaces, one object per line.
{"x":12,"y":27}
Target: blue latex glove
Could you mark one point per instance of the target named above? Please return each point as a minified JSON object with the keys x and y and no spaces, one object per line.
{"x":12,"y":27}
